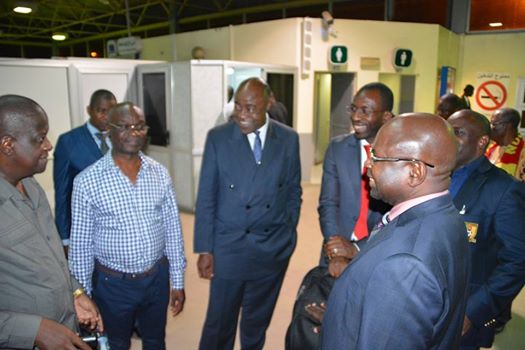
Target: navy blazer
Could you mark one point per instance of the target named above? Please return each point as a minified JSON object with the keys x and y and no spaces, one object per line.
{"x":407,"y":287}
{"x":340,"y":198}
{"x":75,"y":150}
{"x":493,"y":204}
{"x":246,"y":214}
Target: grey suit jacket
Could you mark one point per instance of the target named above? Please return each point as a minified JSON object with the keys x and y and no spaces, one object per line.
{"x":35,"y":282}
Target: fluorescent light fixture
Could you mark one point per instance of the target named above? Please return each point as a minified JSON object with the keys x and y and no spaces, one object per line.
{"x":496,"y":24}
{"x":23,"y":9}
{"x":59,"y":36}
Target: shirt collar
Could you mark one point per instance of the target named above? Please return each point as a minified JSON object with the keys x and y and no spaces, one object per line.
{"x":469,"y":167}
{"x":400,"y":208}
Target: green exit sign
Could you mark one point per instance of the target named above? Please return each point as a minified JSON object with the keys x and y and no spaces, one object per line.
{"x":402,"y":58}
{"x":338,"y":54}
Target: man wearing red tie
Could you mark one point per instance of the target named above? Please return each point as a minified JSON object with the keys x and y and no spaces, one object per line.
{"x":347,"y":214}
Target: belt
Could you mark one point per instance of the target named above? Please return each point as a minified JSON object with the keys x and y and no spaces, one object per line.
{"x":131,"y":276}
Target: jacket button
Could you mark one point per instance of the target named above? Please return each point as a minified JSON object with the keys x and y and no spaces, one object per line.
{"x":267,"y":206}
{"x":248,"y":207}
{"x":266,"y":230}
{"x":247,"y":231}
{"x":232,"y":186}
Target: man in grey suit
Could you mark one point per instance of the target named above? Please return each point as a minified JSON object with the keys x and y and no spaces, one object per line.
{"x":346,"y":211}
{"x":40,"y":303}
{"x":245,"y":221}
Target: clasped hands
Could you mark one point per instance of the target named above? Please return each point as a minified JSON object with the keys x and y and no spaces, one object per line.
{"x":339,"y":251}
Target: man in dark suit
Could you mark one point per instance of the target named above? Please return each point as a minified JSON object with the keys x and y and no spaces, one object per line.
{"x":247,"y":210}
{"x":76,"y":150}
{"x":493,"y":205}
{"x":346,"y":211}
{"x":406,"y":289}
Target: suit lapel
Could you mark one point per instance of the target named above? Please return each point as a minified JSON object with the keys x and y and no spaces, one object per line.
{"x":471,"y":186}
{"x":353,"y":156}
{"x":89,"y":144}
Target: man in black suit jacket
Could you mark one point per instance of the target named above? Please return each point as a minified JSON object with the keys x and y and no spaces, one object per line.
{"x":76,"y":150}
{"x":247,"y":210}
{"x":493,"y":206}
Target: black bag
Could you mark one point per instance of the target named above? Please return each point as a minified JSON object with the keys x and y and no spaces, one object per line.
{"x":316,"y":287}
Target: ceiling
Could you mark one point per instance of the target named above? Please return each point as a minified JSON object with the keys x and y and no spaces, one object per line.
{"x":89,"y":23}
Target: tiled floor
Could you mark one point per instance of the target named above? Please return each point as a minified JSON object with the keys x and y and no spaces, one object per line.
{"x":183,"y":332}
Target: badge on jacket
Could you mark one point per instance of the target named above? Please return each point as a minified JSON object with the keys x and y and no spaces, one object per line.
{"x":472,"y":231}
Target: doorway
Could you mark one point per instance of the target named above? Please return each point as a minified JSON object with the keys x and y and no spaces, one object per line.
{"x":332,"y":93}
{"x":404,"y":89}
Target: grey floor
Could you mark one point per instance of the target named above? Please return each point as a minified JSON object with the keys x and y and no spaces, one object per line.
{"x":183,"y":332}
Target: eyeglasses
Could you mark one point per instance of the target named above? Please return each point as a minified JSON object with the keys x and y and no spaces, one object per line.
{"x":497,"y":124}
{"x":353,"y":109}
{"x":128,"y":128}
{"x":374,"y":159}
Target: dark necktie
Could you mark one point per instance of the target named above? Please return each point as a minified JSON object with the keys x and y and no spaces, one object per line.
{"x":104,"y":148}
{"x":257,"y":148}
{"x":382,"y":223}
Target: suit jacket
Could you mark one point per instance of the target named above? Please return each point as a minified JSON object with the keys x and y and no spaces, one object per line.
{"x":75,"y":150}
{"x":35,"y":282}
{"x":493,"y":205}
{"x":340,"y":198}
{"x":246,"y":214}
{"x":406,"y":289}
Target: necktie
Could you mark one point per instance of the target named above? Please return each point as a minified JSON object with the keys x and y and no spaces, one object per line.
{"x":361,"y":226}
{"x":382,"y":223}
{"x":257,"y":148}
{"x":104,"y":148}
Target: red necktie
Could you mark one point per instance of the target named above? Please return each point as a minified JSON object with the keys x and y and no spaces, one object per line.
{"x":361,"y":226}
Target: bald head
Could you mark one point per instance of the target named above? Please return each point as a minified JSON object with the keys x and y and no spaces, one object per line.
{"x":473,"y":133}
{"x":448,"y":104}
{"x":124,"y":109}
{"x":414,"y":156}
{"x":16,"y":113}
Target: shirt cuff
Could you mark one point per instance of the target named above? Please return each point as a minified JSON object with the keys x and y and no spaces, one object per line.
{"x":65,"y":242}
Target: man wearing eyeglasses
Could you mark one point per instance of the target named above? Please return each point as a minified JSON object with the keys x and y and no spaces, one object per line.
{"x":506,"y":149}
{"x":346,"y":211}
{"x":492,"y":204}
{"x":406,"y":289}
{"x":76,"y":150}
{"x":126,"y":241}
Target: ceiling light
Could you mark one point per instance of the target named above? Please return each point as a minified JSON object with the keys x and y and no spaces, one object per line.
{"x":496,"y":24}
{"x":23,"y":9}
{"x":59,"y":36}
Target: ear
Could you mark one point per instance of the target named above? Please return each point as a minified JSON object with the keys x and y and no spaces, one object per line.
{"x":7,"y":145}
{"x":483,"y":142}
{"x":417,"y":173}
{"x":387,"y":116}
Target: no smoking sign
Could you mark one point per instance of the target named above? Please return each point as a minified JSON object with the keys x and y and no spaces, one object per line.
{"x":491,"y":95}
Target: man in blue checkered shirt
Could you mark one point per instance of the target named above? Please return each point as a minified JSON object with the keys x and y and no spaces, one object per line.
{"x":126,"y":242}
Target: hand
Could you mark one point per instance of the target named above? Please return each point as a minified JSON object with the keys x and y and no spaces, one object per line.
{"x":87,"y":313}
{"x":467,"y":325}
{"x":316,"y":313}
{"x":205,"y":266}
{"x":177,"y":301}
{"x":340,"y":246}
{"x":53,"y":336}
{"x":337,"y":265}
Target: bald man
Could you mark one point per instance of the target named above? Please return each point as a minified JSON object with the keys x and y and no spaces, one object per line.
{"x":126,"y":239}
{"x":40,"y":303}
{"x":492,"y":204}
{"x":407,"y":288}
{"x":448,"y":104}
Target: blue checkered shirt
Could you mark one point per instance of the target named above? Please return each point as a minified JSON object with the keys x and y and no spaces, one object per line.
{"x":126,"y":227}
